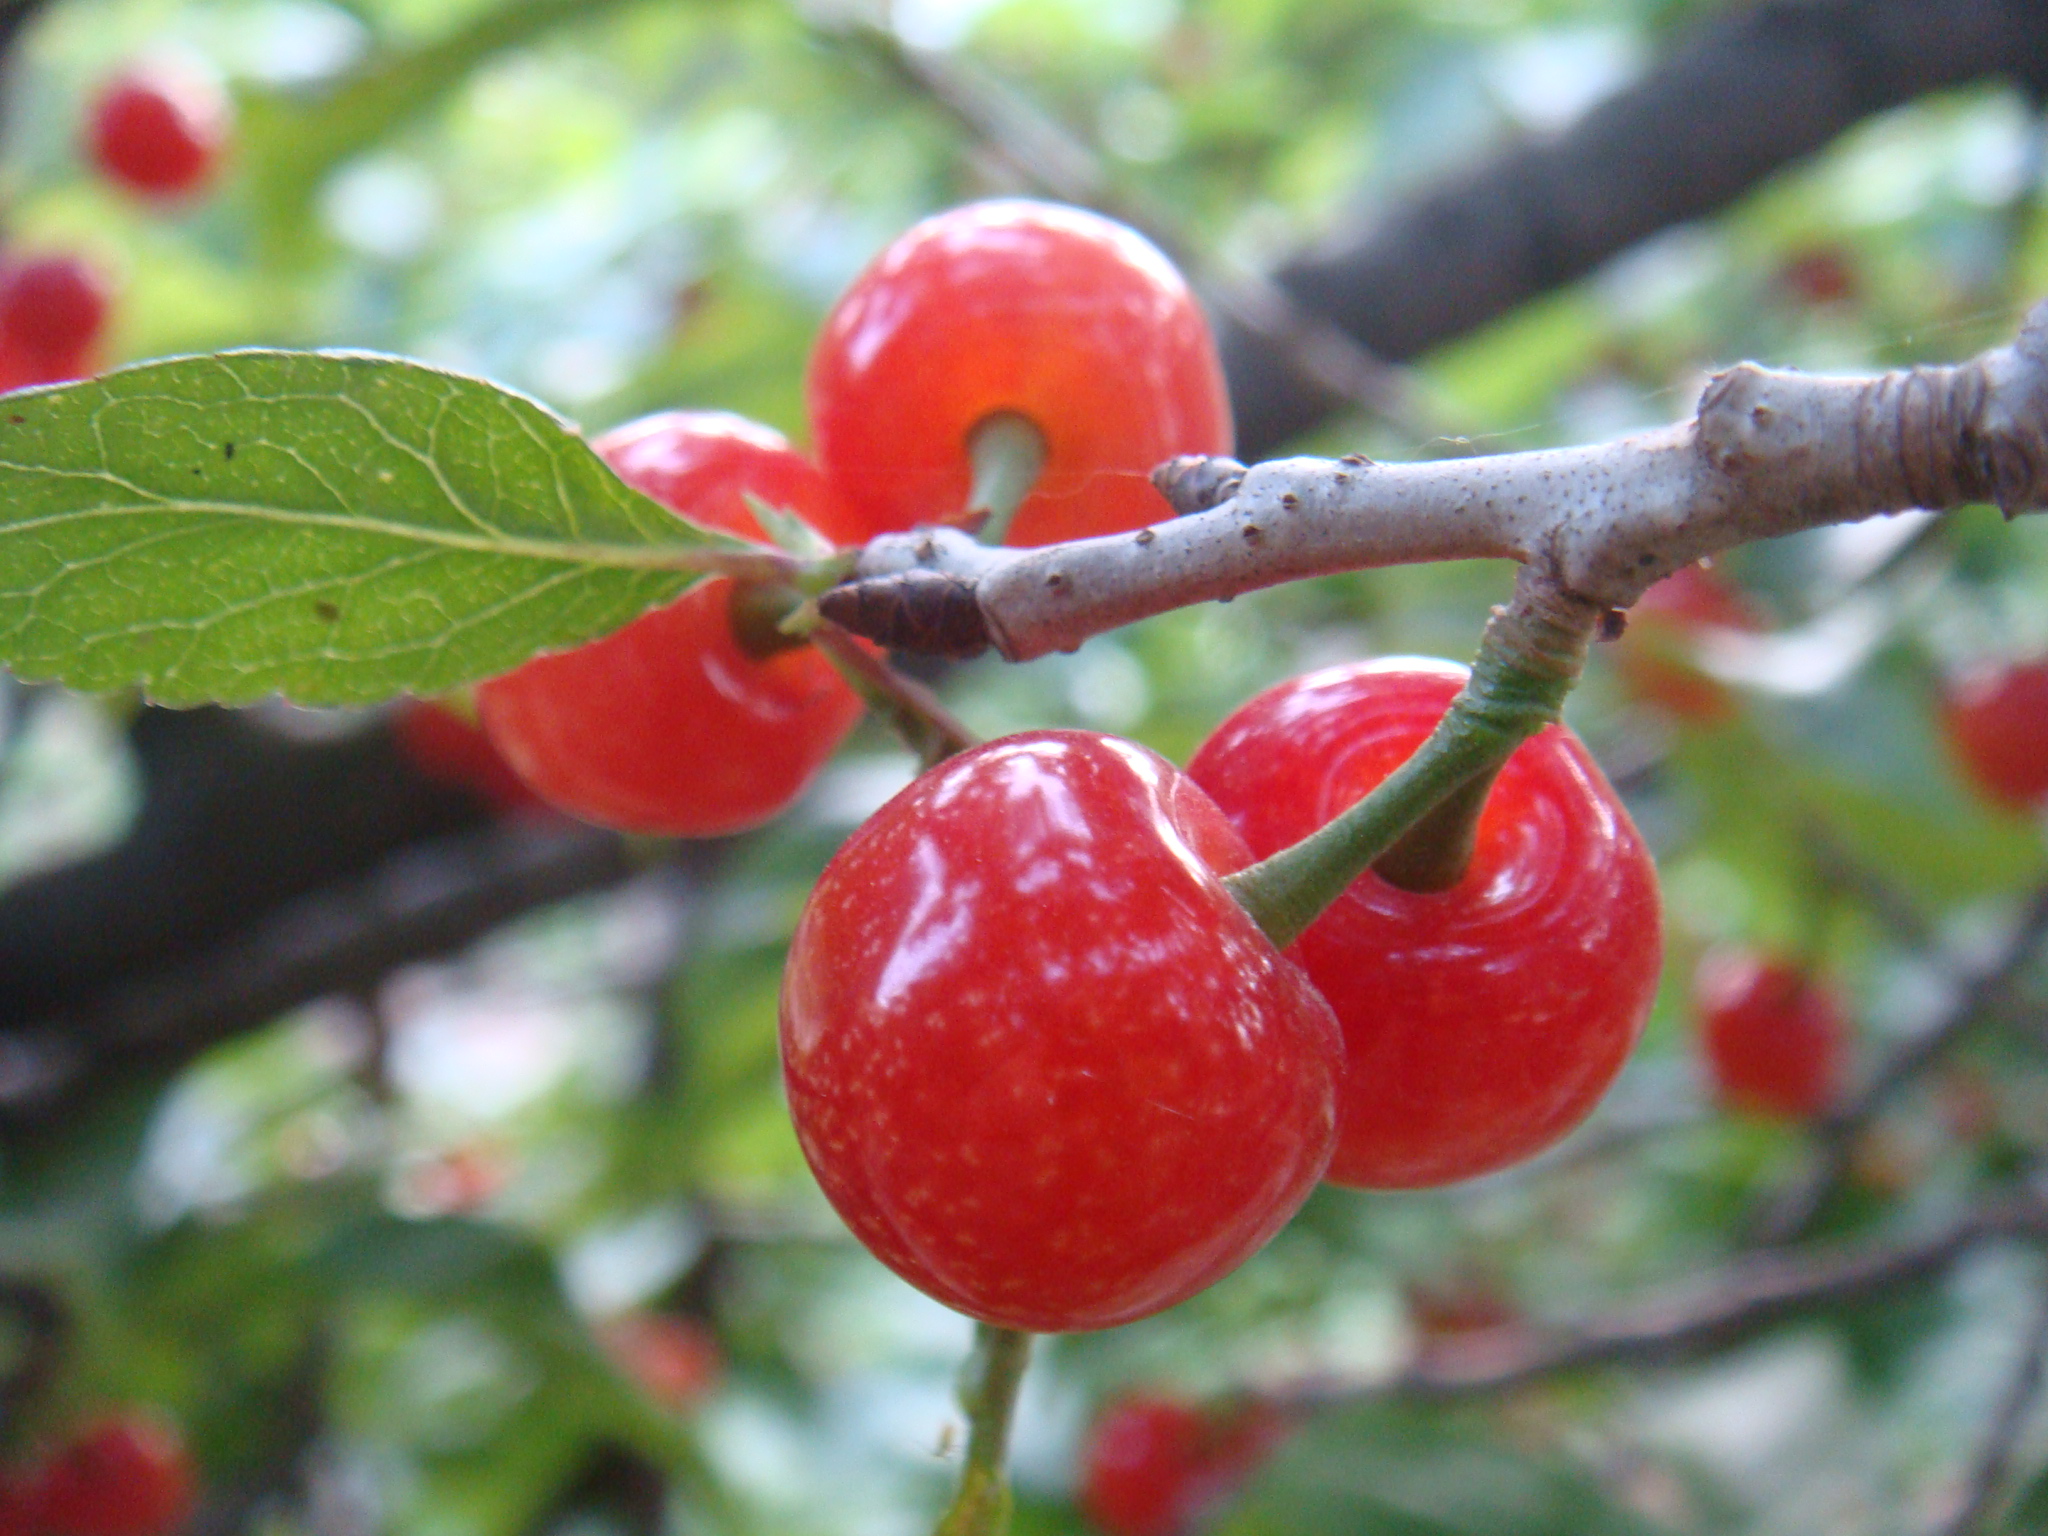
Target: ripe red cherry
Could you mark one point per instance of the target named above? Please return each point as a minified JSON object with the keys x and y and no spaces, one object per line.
{"x":675,"y":1360}
{"x":20,"y":1496}
{"x":1654,"y":654}
{"x":1776,"y":1040}
{"x":1152,"y":1466}
{"x":1996,"y":719}
{"x":159,"y":130}
{"x":52,"y":311}
{"x":1483,"y":1022}
{"x":127,"y":1475}
{"x":1059,"y":315}
{"x":669,"y":726}
{"x":1041,"y":1062}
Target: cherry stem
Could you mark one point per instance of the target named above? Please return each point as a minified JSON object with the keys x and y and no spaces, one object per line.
{"x":988,"y":1391}
{"x":1007,"y":452}
{"x":916,"y":714}
{"x":1532,"y":652}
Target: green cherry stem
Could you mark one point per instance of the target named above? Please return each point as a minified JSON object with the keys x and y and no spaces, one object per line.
{"x":1007,"y":451}
{"x":1434,"y":854}
{"x":988,"y":1391}
{"x":1532,"y":652}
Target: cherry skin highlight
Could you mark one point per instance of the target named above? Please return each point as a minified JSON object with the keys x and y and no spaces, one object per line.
{"x":1776,"y":1040}
{"x":1996,"y":721}
{"x":1654,"y":654}
{"x":1153,"y":1465}
{"x":669,"y":726}
{"x":127,"y":1475}
{"x":1483,"y":1022}
{"x":53,"y":310}
{"x":159,"y":131}
{"x":1041,"y":1062}
{"x":1064,"y":317}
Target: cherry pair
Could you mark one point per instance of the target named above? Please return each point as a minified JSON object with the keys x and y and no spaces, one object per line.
{"x":1048,"y":1069}
{"x":700,"y":718}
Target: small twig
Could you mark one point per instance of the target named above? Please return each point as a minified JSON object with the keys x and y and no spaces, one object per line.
{"x":1716,"y":1308}
{"x":1788,"y":1212}
{"x":988,"y":1391}
{"x":918,"y":715}
{"x":1985,"y":1487}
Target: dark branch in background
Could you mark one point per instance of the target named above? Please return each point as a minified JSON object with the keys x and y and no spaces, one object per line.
{"x":429,"y":900}
{"x":1989,"y":1475}
{"x":1750,"y":93}
{"x":1989,"y":989}
{"x":236,"y":821}
{"x":1714,"y":1310}
{"x":15,"y":15}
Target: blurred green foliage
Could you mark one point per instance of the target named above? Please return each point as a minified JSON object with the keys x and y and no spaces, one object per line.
{"x":362,"y":1251}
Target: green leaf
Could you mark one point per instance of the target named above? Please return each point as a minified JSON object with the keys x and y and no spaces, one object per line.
{"x":338,"y":528}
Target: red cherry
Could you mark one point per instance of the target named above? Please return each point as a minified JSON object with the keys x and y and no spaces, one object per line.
{"x":669,"y":726}
{"x":127,"y":1475}
{"x":1151,"y":1466}
{"x":1064,"y":317}
{"x":1483,"y":1022}
{"x":1776,"y":1040}
{"x":1824,"y":274}
{"x":20,"y":1504}
{"x":1654,"y":654}
{"x":159,"y":130}
{"x":676,"y":1360}
{"x":1043,"y":1064}
{"x":1996,"y":717}
{"x":52,"y":311}
{"x":444,"y":746}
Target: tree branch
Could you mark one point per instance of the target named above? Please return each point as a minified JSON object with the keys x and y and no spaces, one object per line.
{"x":427,"y":902}
{"x":1723,"y":1305}
{"x":1752,"y":91}
{"x":1769,"y":453}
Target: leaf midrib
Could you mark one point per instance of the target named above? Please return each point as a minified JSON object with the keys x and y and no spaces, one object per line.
{"x":661,"y":557}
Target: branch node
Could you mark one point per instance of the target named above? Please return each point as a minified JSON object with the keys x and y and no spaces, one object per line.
{"x":1193,"y":482}
{"x":927,"y":611}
